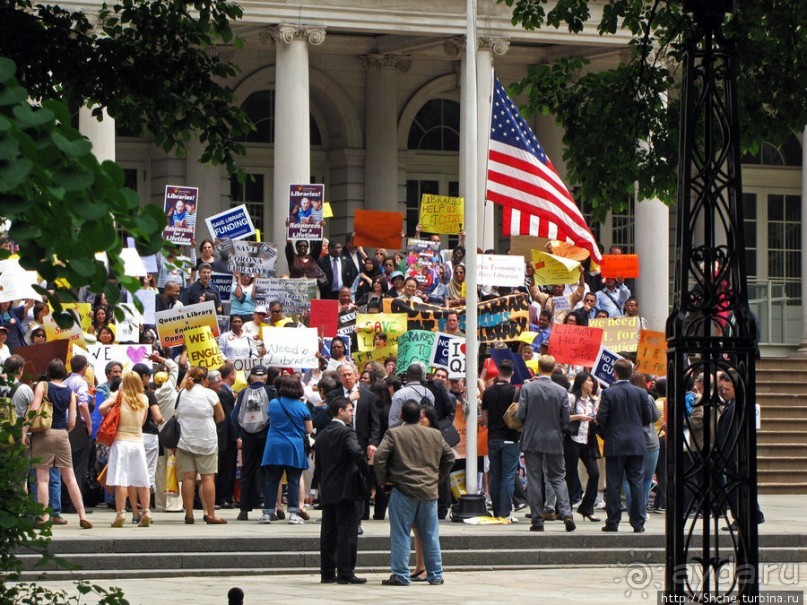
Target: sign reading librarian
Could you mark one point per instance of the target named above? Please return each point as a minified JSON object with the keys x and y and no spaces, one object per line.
{"x":180,"y":213}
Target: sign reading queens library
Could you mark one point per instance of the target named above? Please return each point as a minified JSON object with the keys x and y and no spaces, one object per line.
{"x":171,"y":324}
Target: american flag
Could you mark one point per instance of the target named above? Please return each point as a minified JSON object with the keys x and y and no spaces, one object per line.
{"x":523,"y":180}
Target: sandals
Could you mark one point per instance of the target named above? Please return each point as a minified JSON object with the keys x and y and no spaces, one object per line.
{"x":419,"y":575}
{"x":189,"y":520}
{"x":145,"y":519}
{"x":120,"y":520}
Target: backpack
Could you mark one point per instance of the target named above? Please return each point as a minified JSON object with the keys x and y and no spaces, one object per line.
{"x":253,"y":416}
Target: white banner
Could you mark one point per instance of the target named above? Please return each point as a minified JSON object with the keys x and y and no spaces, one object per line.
{"x":16,"y":282}
{"x":290,"y":347}
{"x":501,"y":270}
{"x":126,"y":355}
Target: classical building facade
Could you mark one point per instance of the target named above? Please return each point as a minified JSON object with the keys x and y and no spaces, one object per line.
{"x":366,"y":97}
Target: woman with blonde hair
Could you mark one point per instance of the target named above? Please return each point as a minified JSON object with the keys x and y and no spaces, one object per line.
{"x":198,"y":409}
{"x":127,"y":470}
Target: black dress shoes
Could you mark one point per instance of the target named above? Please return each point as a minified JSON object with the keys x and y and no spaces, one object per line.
{"x":536,"y":528}
{"x":327,"y":580}
{"x":393,"y":581}
{"x":609,"y":528}
{"x":351,"y":580}
{"x":638,"y":530}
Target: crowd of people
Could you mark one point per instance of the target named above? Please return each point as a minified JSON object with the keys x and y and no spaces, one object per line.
{"x":268,"y":441}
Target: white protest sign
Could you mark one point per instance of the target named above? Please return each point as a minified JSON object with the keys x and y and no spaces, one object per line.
{"x":501,"y":270}
{"x":290,"y":347}
{"x":127,"y":355}
{"x":561,"y":303}
{"x":15,"y":282}
{"x":148,"y":298}
{"x":233,"y":224}
{"x":448,"y":353}
{"x":252,"y":258}
{"x":133,"y":265}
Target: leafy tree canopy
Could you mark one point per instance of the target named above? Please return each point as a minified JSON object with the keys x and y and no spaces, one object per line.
{"x":621,"y":124}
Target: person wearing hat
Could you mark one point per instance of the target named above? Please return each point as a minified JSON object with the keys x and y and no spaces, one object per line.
{"x":396,"y":284}
{"x":35,"y":335}
{"x":253,"y":426}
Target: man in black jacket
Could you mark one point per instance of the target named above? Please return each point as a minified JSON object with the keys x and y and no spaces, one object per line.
{"x":340,"y":271}
{"x":228,"y":433}
{"x":341,"y":474}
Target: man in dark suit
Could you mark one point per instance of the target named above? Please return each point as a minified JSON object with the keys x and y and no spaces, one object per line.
{"x":341,"y":474}
{"x":543,"y":407}
{"x":624,"y":410}
{"x":366,"y":422}
{"x":339,"y":270}
{"x":228,"y":432}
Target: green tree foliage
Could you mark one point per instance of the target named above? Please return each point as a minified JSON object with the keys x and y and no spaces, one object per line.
{"x":621,"y":124}
{"x":63,"y":205}
{"x":151,"y":63}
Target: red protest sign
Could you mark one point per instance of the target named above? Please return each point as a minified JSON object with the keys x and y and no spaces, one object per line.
{"x":378,"y":229}
{"x":324,"y":317}
{"x":620,"y":265}
{"x":575,"y":345}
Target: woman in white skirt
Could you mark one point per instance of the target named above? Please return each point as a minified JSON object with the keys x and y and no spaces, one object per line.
{"x":127,"y":466}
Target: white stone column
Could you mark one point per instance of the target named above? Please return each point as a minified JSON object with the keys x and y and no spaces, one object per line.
{"x":488,"y":47}
{"x":803,"y":345}
{"x":101,"y":134}
{"x":208,"y":179}
{"x":381,"y":159}
{"x":651,"y":232}
{"x":292,"y":115}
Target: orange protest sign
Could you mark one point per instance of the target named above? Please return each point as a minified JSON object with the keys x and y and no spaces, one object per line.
{"x":620,"y":265}
{"x":567,"y":250}
{"x":575,"y":345}
{"x":378,"y":229}
{"x":651,"y":355}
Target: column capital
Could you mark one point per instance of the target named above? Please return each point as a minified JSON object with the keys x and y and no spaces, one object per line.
{"x":286,"y":33}
{"x":376,"y":61}
{"x":498,"y":46}
{"x":453,"y":46}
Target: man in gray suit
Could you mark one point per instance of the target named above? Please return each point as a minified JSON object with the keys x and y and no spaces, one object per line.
{"x":543,"y":407}
{"x":624,"y":410}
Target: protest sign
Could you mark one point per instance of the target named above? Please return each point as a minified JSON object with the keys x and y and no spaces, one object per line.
{"x":521,"y":370}
{"x":37,"y":358}
{"x":203,"y":350}
{"x":561,"y":303}
{"x":180,"y":204}
{"x":378,"y":229}
{"x":575,"y":345}
{"x":127,"y":329}
{"x":553,"y":270}
{"x":523,"y":245}
{"x":306,"y":211}
{"x":449,"y":353}
{"x":368,"y":324}
{"x":232,"y":224}
{"x":651,"y":354}
{"x":148,"y":298}
{"x":347,"y":323}
{"x":15,"y":282}
{"x":442,"y":214}
{"x":379,"y":355}
{"x":327,"y":211}
{"x":53,"y":332}
{"x":324,"y":317}
{"x":133,"y":264}
{"x":171,"y":324}
{"x":250,"y":258}
{"x":294,"y":295}
{"x":501,"y":319}
{"x":414,"y":345}
{"x":620,"y":265}
{"x":245,"y":364}
{"x":603,"y":368}
{"x":83,"y":310}
{"x":222,"y":283}
{"x":290,"y":347}
{"x":567,"y":250}
{"x":619,"y":333}
{"x":500,"y":270}
{"x":127,"y":355}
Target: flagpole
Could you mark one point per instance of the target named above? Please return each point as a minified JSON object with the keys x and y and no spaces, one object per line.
{"x":471,"y":504}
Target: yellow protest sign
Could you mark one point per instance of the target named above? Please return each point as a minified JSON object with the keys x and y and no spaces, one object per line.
{"x":84,"y":311}
{"x":53,"y":332}
{"x":327,"y":211}
{"x":367,"y":324}
{"x":203,"y":350}
{"x":651,"y":354}
{"x":379,"y":355}
{"x":553,"y":270}
{"x":618,"y":333}
{"x":442,"y":214}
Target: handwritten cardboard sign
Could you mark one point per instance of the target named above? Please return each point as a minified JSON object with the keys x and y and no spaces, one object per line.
{"x":126,"y":355}
{"x":575,"y":345}
{"x":369,"y":324}
{"x":37,"y":357}
{"x":500,"y":270}
{"x":442,"y":214}
{"x":290,"y":347}
{"x":378,"y":229}
{"x":53,"y":332}
{"x":171,"y":324}
{"x":620,"y":265}
{"x":554,"y":270}
{"x":380,"y":355}
{"x":619,"y":333}
{"x":603,"y":368}
{"x":651,"y":354}
{"x":180,"y":205}
{"x":414,"y":346}
{"x":234,"y":224}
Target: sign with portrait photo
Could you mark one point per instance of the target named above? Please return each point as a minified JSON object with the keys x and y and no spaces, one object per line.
{"x":180,"y":205}
{"x":306,"y":211}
